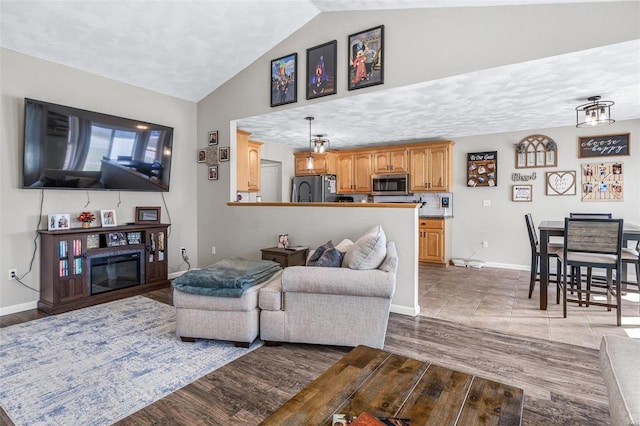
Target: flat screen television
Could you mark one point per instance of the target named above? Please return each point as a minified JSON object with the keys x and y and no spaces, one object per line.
{"x":71,"y":148}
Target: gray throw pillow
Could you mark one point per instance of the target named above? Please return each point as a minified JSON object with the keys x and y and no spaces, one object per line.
{"x":331,"y":258}
{"x":317,"y":253}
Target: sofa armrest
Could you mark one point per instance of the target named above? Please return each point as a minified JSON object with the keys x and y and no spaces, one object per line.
{"x":270,"y":297}
{"x":341,"y":281}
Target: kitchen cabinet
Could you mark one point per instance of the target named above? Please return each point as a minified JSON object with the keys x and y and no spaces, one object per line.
{"x":322,"y":164}
{"x":390,"y":161}
{"x":248,"y":163}
{"x":354,"y":172}
{"x":431,"y":241}
{"x":430,"y":167}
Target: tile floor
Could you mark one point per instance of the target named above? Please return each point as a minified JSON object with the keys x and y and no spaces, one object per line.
{"x":497,"y":299}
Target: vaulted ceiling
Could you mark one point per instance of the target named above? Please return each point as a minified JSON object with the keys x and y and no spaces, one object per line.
{"x":182,"y":49}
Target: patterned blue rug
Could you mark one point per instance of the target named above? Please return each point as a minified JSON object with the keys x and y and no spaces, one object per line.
{"x":97,"y":365}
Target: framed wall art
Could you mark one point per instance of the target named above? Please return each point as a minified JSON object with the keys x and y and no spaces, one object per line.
{"x":482,"y":168}
{"x":521,"y":192}
{"x":108,"y":218}
{"x":602,"y":182}
{"x":536,"y":151}
{"x":604,"y":146}
{"x":284,"y":80}
{"x":321,"y":70}
{"x":213,"y":137}
{"x":223,"y":153}
{"x":561,"y":183}
{"x":202,"y":156}
{"x":213,"y":173}
{"x":147,"y":215}
{"x":58,"y":221}
{"x":366,"y":58}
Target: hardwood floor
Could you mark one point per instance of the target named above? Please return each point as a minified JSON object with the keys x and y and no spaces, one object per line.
{"x":250,"y":388}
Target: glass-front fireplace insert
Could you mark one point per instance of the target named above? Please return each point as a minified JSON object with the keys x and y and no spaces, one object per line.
{"x":115,"y":271}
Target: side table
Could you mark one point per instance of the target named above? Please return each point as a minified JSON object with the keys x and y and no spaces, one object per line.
{"x":286,"y":257}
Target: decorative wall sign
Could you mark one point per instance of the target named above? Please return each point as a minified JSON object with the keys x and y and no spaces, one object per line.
{"x":561,"y":183}
{"x":482,"y":168}
{"x":519,"y":177}
{"x":522,"y":193}
{"x":366,"y":58}
{"x":604,"y":146}
{"x":602,"y":182}
{"x":536,"y":151}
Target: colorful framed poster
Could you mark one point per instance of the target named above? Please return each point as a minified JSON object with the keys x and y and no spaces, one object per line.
{"x":321,"y":70}
{"x":284,"y":80}
{"x":366,"y":58}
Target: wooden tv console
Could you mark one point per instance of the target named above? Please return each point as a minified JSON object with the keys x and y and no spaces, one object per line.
{"x":65,"y":280}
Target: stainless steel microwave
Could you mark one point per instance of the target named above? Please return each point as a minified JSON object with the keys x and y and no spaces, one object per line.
{"x":391,"y":184}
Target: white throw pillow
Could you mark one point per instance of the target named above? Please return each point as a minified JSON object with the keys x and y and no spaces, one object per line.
{"x":368,"y":251}
{"x":344,"y":245}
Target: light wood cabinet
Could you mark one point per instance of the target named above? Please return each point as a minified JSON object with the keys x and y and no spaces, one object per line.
{"x":354,"y":173}
{"x":431,"y":241}
{"x":390,"y":161}
{"x":430,"y":168}
{"x":248,"y":163}
{"x":322,"y":164}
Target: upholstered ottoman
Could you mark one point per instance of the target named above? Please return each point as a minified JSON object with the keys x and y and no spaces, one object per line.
{"x":234,"y":319}
{"x":619,"y":365}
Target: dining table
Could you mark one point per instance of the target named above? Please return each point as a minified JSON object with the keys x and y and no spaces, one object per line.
{"x":555,"y":228}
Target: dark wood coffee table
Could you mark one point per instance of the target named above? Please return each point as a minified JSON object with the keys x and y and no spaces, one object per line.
{"x":389,"y":385}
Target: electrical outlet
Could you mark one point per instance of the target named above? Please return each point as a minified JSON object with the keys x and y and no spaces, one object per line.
{"x":485,"y":244}
{"x":13,"y":274}
{"x":183,"y":251}
{"x":213,"y":250}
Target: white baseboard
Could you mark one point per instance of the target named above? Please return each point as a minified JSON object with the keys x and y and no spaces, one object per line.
{"x":13,"y":309}
{"x":405,"y":310}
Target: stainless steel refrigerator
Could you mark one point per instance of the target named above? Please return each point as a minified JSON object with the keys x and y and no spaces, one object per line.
{"x":314,"y":189}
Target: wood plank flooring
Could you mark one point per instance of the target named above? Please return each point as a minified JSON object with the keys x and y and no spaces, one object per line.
{"x":562,"y":382}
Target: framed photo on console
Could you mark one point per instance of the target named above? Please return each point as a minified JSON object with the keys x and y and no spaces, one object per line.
{"x":58,"y":221}
{"x":145,"y":215}
{"x":108,"y":218}
{"x":115,"y":239}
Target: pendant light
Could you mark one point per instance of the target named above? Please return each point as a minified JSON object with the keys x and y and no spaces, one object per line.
{"x":320,"y":144}
{"x":594,"y":113}
{"x":310,"y":156}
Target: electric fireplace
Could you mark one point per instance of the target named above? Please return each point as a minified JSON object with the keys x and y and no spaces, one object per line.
{"x":117,"y":270}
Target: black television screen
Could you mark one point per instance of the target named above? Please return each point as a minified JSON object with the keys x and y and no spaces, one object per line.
{"x":71,"y":148}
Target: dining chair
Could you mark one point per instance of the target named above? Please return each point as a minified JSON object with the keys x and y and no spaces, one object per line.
{"x":591,"y":215}
{"x":535,"y":255}
{"x":631,"y":257}
{"x":592,"y":243}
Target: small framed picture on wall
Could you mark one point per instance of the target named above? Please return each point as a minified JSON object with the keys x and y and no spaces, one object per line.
{"x":213,"y":137}
{"x":213,"y":173}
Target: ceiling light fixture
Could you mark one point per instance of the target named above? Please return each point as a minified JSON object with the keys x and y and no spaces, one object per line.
{"x":595,"y":113}
{"x":310,"y":156}
{"x":320,"y":144}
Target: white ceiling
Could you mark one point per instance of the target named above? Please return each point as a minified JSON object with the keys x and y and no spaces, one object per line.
{"x":181,"y":48}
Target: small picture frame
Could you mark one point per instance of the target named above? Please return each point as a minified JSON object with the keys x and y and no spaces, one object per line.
{"x":108,"y":218}
{"x":93,"y":241}
{"x":522,"y":193}
{"x":59,"y":221}
{"x":224,"y":153}
{"x":213,"y":173}
{"x":134,"y":237}
{"x":366,"y":58}
{"x":115,"y":239}
{"x":202,"y":156}
{"x":145,"y":215}
{"x":284,"y":80}
{"x":213,"y":137}
{"x":322,"y":70}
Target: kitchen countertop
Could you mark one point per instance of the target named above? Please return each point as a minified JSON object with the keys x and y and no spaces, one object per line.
{"x":348,"y":205}
{"x":436,"y":217}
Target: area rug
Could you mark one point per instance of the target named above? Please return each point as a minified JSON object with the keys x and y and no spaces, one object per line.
{"x":100,"y":364}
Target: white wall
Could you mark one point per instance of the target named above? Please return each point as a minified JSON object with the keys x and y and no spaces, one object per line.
{"x":502,"y":224}
{"x":420,"y":45}
{"x":24,"y":76}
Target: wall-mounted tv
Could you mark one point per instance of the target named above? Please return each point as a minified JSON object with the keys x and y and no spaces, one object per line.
{"x":71,"y":148}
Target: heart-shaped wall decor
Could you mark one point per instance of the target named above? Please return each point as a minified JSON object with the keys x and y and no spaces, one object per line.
{"x":561,"y":183}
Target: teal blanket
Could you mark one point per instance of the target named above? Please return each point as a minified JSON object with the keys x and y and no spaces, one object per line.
{"x":226,"y":278}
